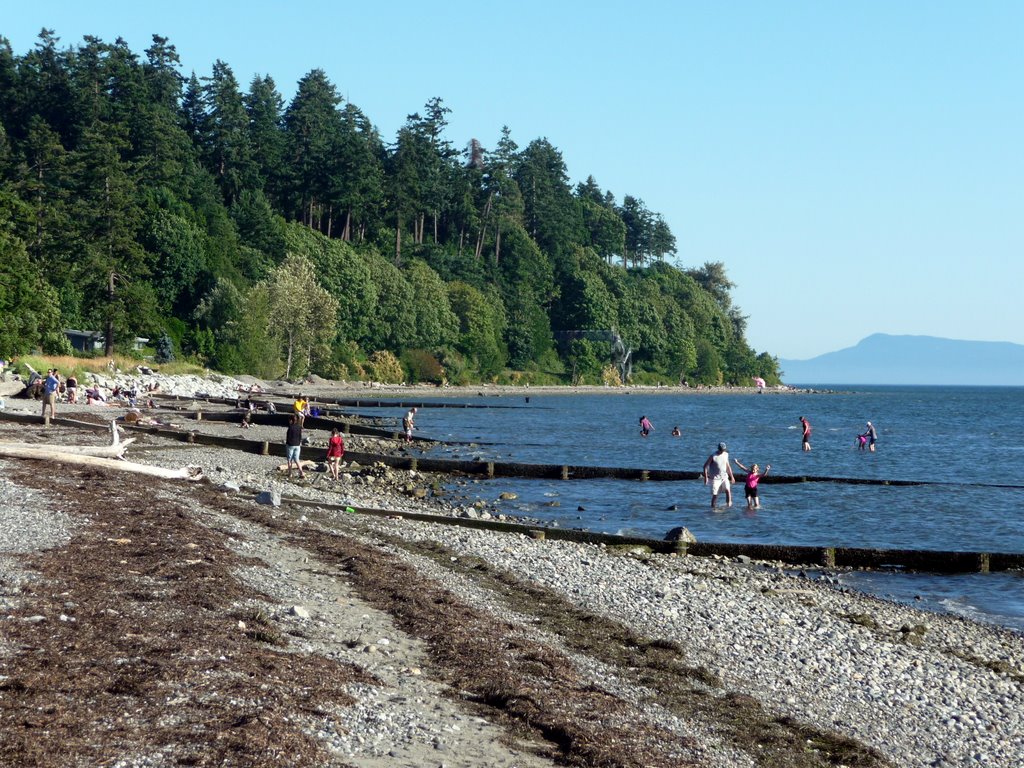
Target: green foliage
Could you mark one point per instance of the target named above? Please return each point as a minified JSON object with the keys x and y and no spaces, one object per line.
{"x":422,"y":366}
{"x":134,"y":199}
{"x":385,"y":367}
{"x":481,"y":326}
{"x":164,"y":348}
{"x":29,"y":312}
{"x":303,"y":313}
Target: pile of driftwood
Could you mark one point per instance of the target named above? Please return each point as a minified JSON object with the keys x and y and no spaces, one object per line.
{"x":104,"y":456}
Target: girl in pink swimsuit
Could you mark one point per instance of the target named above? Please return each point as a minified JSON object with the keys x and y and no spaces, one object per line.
{"x":750,"y":485}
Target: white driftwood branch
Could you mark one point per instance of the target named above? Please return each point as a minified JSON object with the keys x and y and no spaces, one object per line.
{"x":115,"y":450}
{"x":41,"y":453}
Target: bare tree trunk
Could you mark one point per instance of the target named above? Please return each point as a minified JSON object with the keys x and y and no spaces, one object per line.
{"x":346,"y":233}
{"x":483,"y":227}
{"x":330,"y":219}
{"x":497,"y":242}
{"x":462,"y":238}
{"x":291,"y":348}
{"x":108,"y":334}
{"x":398,"y":240}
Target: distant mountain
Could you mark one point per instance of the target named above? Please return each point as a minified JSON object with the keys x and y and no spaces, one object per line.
{"x":885,"y":359}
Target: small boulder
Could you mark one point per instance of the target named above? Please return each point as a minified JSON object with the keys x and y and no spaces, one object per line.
{"x":680,"y":533}
{"x":270,"y":498}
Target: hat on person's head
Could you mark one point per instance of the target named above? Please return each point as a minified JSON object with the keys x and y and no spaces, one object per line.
{"x":869,"y":423}
{"x":721,"y":447}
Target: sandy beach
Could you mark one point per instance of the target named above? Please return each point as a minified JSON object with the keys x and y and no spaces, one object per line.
{"x":149,"y":622}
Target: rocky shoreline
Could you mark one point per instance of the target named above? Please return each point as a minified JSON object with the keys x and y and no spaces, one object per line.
{"x":817,"y":675}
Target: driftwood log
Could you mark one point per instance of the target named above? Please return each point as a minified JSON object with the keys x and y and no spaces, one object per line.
{"x":102,"y":456}
{"x":115,"y":450}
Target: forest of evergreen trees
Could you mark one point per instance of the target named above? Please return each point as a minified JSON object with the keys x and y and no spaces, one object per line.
{"x":284,"y":239}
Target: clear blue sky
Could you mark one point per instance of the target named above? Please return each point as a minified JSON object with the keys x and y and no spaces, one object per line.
{"x":858,"y":167}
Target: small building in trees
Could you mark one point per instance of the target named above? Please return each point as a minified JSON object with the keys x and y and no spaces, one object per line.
{"x":92,"y":341}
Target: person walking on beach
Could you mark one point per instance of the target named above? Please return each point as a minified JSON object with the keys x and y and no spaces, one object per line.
{"x":50,"y":388}
{"x":335,"y":450}
{"x":718,"y":471}
{"x":750,"y":484}
{"x":806,"y":436}
{"x":645,"y":426}
{"x":409,"y":424}
{"x":293,"y":445}
{"x":872,"y":435}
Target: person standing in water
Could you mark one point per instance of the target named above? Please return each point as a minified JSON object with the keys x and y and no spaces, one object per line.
{"x":806,"y":436}
{"x":872,"y":436}
{"x":718,"y":470}
{"x":754,"y":476}
{"x":409,"y":424}
{"x":645,"y":426}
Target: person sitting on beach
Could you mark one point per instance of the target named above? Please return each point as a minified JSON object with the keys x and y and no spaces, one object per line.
{"x":750,"y":484}
{"x":301,"y":408}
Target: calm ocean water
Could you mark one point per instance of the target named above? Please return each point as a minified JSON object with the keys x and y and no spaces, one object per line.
{"x":966,"y":440}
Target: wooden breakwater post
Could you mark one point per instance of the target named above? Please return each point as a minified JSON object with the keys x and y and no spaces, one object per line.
{"x":265,"y":448}
{"x":565,"y":472}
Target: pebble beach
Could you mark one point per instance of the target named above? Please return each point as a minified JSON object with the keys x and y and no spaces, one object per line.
{"x":911,"y":688}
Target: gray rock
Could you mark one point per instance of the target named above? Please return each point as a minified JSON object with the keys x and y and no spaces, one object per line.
{"x":270,"y":498}
{"x":681,"y":533}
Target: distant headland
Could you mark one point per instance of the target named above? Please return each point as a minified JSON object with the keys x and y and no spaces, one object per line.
{"x":885,"y":359}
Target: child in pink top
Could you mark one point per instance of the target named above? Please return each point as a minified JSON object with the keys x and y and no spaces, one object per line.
{"x":750,"y":485}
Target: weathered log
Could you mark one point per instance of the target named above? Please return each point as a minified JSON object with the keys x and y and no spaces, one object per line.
{"x":38,"y":453}
{"x":115,"y":450}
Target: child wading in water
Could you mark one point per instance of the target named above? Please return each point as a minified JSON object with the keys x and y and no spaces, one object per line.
{"x":750,"y":485}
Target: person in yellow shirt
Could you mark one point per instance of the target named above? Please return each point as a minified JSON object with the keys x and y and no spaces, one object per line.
{"x":301,"y":407}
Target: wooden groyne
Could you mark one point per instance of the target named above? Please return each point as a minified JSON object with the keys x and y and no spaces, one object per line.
{"x":951,"y":561}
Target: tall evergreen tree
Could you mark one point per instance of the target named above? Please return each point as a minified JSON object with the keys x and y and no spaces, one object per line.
{"x":227,"y":147}
{"x":313,"y":124}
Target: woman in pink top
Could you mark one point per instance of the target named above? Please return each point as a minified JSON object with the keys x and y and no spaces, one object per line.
{"x":750,"y":485}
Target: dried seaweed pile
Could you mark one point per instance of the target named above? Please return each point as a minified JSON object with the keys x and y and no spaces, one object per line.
{"x":140,"y":653}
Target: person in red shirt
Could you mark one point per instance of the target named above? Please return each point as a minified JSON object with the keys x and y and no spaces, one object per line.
{"x":335,"y":450}
{"x":806,"y":437}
